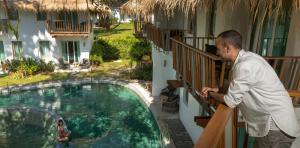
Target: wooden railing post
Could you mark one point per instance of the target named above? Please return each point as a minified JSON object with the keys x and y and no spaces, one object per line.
{"x":177,"y":60}
{"x":192,"y":71}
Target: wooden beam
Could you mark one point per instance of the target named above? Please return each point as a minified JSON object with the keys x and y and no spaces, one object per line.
{"x":294,"y":93}
{"x":175,"y":83}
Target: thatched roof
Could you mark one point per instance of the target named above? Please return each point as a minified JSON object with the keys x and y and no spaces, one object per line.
{"x":189,"y":6}
{"x":143,"y":7}
{"x":56,"y":5}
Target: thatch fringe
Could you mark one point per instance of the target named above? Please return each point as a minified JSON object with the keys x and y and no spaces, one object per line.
{"x":56,"y":5}
{"x":189,"y":6}
{"x":138,"y":7}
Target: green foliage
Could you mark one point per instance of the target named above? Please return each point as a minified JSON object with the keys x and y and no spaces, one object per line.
{"x":103,"y":51}
{"x":28,"y":67}
{"x":139,"y":50}
{"x":120,"y":38}
{"x":143,"y":72}
{"x":96,"y":54}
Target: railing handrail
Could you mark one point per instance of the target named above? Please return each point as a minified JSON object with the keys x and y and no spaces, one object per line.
{"x":281,"y":57}
{"x":200,"y":37}
{"x":213,"y":57}
{"x":214,"y":131}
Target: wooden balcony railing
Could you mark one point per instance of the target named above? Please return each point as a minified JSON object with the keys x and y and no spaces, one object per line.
{"x":199,"y":42}
{"x":287,"y":69}
{"x":197,"y":67}
{"x":64,"y":27}
{"x":161,"y":37}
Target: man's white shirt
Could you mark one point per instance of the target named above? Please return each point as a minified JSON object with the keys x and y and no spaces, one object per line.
{"x":261,"y":97}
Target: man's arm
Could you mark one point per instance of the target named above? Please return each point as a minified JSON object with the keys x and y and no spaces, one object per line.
{"x":217,"y":96}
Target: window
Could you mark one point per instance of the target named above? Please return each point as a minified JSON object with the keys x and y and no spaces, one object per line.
{"x":44,"y":49}
{"x":13,"y":14}
{"x":17,"y":49}
{"x":2,"y":54}
{"x":41,"y":16}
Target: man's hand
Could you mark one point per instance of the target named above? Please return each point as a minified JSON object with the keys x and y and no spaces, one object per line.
{"x":205,"y":91}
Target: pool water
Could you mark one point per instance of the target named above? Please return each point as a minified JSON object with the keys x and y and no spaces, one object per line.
{"x":99,"y":115}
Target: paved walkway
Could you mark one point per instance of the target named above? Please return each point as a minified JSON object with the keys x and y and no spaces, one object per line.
{"x":171,"y":126}
{"x":178,"y":134}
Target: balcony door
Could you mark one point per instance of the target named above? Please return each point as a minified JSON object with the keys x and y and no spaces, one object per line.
{"x":70,"y":51}
{"x":70,"y":18}
{"x":269,"y":37}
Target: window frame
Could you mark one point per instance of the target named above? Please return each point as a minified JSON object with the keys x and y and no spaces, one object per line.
{"x":42,"y":52}
{"x":2,"y":58}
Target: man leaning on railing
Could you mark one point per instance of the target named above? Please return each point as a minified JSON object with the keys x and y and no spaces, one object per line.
{"x":258,"y":92}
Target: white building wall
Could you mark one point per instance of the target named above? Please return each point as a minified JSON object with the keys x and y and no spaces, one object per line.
{"x":187,"y":112}
{"x":162,"y":70}
{"x":32,"y":31}
{"x":202,"y":25}
{"x":228,"y":18}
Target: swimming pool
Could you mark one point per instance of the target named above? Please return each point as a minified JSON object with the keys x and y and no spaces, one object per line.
{"x":99,"y":115}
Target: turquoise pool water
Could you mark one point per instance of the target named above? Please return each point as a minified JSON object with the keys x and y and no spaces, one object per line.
{"x":99,"y":115}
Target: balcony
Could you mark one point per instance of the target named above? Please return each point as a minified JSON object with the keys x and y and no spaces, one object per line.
{"x":64,"y":28}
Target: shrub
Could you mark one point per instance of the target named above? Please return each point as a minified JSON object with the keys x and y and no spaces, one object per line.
{"x":143,"y":73}
{"x":28,"y":66}
{"x":103,"y":51}
{"x":96,"y":53}
{"x":139,"y":50}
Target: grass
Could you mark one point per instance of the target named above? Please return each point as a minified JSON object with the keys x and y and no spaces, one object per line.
{"x":120,"y":38}
{"x":120,"y":31}
{"x":118,"y":69}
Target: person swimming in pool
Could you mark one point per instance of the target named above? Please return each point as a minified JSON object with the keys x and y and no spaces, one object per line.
{"x":63,"y":132}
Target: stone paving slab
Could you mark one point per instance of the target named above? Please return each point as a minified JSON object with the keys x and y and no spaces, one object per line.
{"x":179,"y":134}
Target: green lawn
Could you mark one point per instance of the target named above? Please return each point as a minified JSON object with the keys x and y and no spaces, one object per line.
{"x":121,"y":31}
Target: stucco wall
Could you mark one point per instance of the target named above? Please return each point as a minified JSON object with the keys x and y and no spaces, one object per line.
{"x":162,"y":70}
{"x":187,"y":113}
{"x":228,"y":18}
{"x":174,"y":22}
